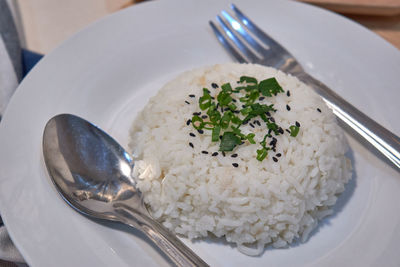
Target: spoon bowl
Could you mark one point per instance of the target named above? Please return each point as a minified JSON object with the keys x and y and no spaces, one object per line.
{"x":89,"y":168}
{"x":93,"y":174}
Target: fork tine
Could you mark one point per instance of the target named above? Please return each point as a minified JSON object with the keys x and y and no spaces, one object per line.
{"x":242,"y":47}
{"x":257,"y":31}
{"x":240,"y":29}
{"x":226,"y":44}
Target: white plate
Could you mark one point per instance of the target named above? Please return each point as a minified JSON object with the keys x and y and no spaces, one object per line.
{"x":107,"y":72}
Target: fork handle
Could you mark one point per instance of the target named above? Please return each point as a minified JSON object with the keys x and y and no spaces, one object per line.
{"x":382,"y":139}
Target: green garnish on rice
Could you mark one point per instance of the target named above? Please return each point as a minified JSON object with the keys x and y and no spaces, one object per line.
{"x":225,"y":115}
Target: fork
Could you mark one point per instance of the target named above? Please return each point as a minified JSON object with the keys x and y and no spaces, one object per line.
{"x":235,"y":33}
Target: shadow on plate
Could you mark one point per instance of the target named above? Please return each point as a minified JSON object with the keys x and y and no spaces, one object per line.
{"x":132,"y":231}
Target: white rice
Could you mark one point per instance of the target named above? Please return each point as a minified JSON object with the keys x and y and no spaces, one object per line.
{"x":258,"y":203}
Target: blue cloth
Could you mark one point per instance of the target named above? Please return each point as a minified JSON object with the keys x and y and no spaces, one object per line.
{"x":29,"y":60}
{"x":15,"y":63}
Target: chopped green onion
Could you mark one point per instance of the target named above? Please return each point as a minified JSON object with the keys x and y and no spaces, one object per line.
{"x":258,"y":109}
{"x":253,"y":97}
{"x":247,"y":88}
{"x":224,"y":98}
{"x":262,"y":153}
{"x":238,"y":132}
{"x":229,"y":141}
{"x":205,"y":100}
{"x":214,"y":115}
{"x":226,"y":87}
{"x":246,"y":110}
{"x":196,"y":119}
{"x":215,"y":133}
{"x":264,"y":117}
{"x":236,"y":120}
{"x":270,"y":87}
{"x":232,"y":106}
{"x":208,"y":125}
{"x":294,"y":130}
{"x":250,"y":137}
{"x":263,"y":142}
{"x":225,"y":120}
{"x":273,"y":126}
{"x":248,"y":79}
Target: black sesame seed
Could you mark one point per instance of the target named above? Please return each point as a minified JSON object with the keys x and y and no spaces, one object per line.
{"x":200,"y":131}
{"x":234,"y":155}
{"x":235,"y":165}
{"x":192,"y":96}
{"x":261,"y":98}
{"x":288,"y":107}
{"x":192,"y":134}
{"x":257,"y":122}
{"x":214,"y":85}
{"x":220,"y":137}
{"x":245,"y":122}
{"x":217,"y":106}
{"x":190,"y":144}
{"x":204,"y":152}
{"x":204,"y":117}
{"x":278,"y":155}
{"x":272,"y":119}
{"x":280,"y":130}
{"x":273,"y":149}
{"x":214,"y":154}
{"x":252,"y":125}
{"x":187,"y":102}
{"x":243,"y":106}
{"x":319,"y":110}
{"x":212,"y":98}
{"x":223,"y":153}
{"x":268,"y":114}
{"x":287,"y":130}
{"x":234,"y":100}
{"x":196,"y":113}
{"x":275,"y":159}
{"x":226,"y":109}
{"x":297,"y":124}
{"x":236,"y":111}
{"x":288,"y":93}
{"x":188,"y":122}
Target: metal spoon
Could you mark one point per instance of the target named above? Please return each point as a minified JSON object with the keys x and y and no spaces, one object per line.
{"x":92,"y":172}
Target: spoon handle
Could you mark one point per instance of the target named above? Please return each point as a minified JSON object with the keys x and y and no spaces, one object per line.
{"x":175,"y":249}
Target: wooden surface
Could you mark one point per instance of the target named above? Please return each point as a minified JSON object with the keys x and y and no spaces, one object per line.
{"x":387,"y":27}
{"x":380,"y":16}
{"x":47,"y":23}
{"x":365,"y":7}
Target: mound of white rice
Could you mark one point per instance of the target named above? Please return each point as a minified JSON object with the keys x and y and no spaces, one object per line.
{"x":257,"y":203}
